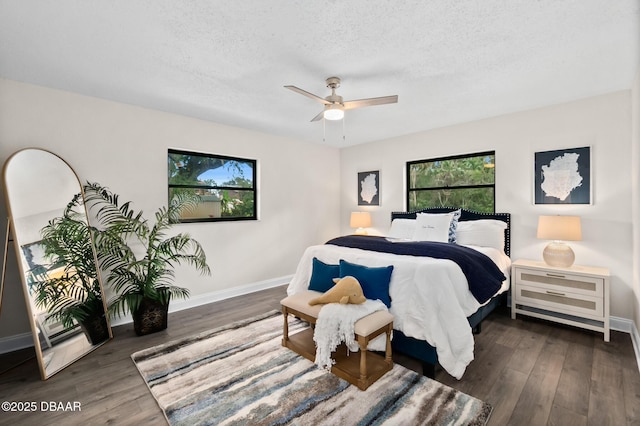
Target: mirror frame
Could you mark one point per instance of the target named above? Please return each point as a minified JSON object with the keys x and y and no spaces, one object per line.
{"x":11,"y":228}
{"x":4,"y":263}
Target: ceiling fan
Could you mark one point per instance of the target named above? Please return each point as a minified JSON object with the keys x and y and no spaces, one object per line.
{"x":334,"y":106}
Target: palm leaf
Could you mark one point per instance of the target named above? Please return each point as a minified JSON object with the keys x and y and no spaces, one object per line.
{"x":151,"y":276}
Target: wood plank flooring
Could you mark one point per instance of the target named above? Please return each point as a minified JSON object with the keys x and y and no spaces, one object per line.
{"x":532,"y":372}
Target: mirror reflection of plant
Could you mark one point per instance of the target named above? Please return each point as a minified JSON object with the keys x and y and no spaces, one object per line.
{"x":75,"y":293}
{"x":149,"y":275}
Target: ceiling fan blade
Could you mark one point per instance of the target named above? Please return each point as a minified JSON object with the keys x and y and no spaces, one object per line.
{"x":370,"y":102}
{"x":318,"y":117}
{"x":307,"y":94}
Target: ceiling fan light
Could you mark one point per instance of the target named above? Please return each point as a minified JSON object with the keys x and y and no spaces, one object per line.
{"x":334,"y":113}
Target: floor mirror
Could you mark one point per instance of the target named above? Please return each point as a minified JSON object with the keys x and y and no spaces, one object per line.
{"x":56,"y":258}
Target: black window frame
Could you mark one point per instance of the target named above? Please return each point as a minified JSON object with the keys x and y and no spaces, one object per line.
{"x":410,"y":190}
{"x":254,"y":187}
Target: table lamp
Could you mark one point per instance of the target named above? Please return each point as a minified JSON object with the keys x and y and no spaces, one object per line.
{"x":559,"y":229}
{"x":360,"y":220}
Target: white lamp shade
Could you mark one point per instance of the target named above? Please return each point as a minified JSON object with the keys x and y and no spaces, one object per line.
{"x":360,"y":220}
{"x":558,"y":229}
{"x":561,"y":228}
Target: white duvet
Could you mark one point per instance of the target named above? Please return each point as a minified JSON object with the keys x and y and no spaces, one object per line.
{"x":430,"y":297}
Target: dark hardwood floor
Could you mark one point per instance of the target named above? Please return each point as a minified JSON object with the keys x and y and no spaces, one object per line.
{"x":532,"y":372}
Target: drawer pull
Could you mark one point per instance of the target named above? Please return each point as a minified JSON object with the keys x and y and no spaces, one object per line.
{"x":556,"y":275}
{"x":555,"y":293}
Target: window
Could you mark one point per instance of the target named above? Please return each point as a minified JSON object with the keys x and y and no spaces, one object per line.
{"x":226,"y":186}
{"x":459,"y":181}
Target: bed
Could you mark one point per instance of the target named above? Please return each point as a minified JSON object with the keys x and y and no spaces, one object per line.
{"x":439,"y":288}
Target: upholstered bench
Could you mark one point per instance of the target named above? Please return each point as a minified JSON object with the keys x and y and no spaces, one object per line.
{"x":360,"y":371}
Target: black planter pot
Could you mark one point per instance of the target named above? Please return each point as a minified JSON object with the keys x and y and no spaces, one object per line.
{"x":150,"y":317}
{"x":96,"y":329}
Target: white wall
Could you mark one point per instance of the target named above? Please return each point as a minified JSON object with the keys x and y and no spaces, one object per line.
{"x":603,"y":123}
{"x":125,"y":148}
{"x":635,"y":161}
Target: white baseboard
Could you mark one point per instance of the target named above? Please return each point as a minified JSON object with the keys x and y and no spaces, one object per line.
{"x":215,"y":296}
{"x":635,"y":339}
{"x":16,"y":342}
{"x":25,"y":340}
{"x":628,"y":326}
{"x":620,"y":324}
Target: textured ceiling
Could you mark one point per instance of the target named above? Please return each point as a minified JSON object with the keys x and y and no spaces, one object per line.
{"x":227,"y":61}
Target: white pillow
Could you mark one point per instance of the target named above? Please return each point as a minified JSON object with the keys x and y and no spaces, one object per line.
{"x":455,"y":216}
{"x":402,"y":228}
{"x":433,"y":227}
{"x":482,"y":232}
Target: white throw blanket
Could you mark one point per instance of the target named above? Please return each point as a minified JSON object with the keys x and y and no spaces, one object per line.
{"x":336,"y":324}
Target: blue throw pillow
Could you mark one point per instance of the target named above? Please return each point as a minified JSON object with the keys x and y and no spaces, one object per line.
{"x":374,"y":281}
{"x":322,"y":275}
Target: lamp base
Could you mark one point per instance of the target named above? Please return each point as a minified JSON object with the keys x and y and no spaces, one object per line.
{"x":361,"y":231}
{"x":557,"y":253}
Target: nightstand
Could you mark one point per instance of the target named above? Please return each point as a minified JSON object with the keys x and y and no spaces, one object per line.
{"x":577,"y":295}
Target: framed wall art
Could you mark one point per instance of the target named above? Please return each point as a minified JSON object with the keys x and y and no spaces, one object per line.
{"x":563,"y":176}
{"x":369,"y":188}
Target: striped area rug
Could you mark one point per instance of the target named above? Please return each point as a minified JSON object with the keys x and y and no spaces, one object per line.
{"x":241,"y":375}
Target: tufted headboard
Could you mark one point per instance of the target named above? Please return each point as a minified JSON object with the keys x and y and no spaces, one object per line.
{"x":465,"y":215}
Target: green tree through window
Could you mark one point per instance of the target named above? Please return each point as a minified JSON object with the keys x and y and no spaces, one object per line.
{"x":225,"y":185}
{"x":466,"y":181}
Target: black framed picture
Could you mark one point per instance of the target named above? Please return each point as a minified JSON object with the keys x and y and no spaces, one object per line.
{"x":563,"y":176}
{"x":369,"y":188}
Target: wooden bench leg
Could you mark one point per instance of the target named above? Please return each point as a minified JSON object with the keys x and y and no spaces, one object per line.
{"x":388,"y":355}
{"x":363,"y":343}
{"x":285,"y":329}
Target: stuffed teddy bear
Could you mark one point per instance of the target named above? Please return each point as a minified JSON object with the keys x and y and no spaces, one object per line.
{"x":346,"y":290}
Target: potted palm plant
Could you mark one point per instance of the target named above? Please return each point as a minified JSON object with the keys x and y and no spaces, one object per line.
{"x":72,"y":294}
{"x":138,"y":257}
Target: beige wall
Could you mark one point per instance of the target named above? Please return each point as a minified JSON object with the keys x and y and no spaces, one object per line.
{"x":125,"y":148}
{"x":603,"y":123}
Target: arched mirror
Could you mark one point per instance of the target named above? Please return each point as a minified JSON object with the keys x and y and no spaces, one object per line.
{"x":57,"y":259}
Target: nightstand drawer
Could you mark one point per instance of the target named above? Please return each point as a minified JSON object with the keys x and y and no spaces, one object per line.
{"x":561,"y":282}
{"x":561,"y":301}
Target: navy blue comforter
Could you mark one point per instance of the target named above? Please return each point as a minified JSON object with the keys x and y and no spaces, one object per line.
{"x":483,"y":276}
